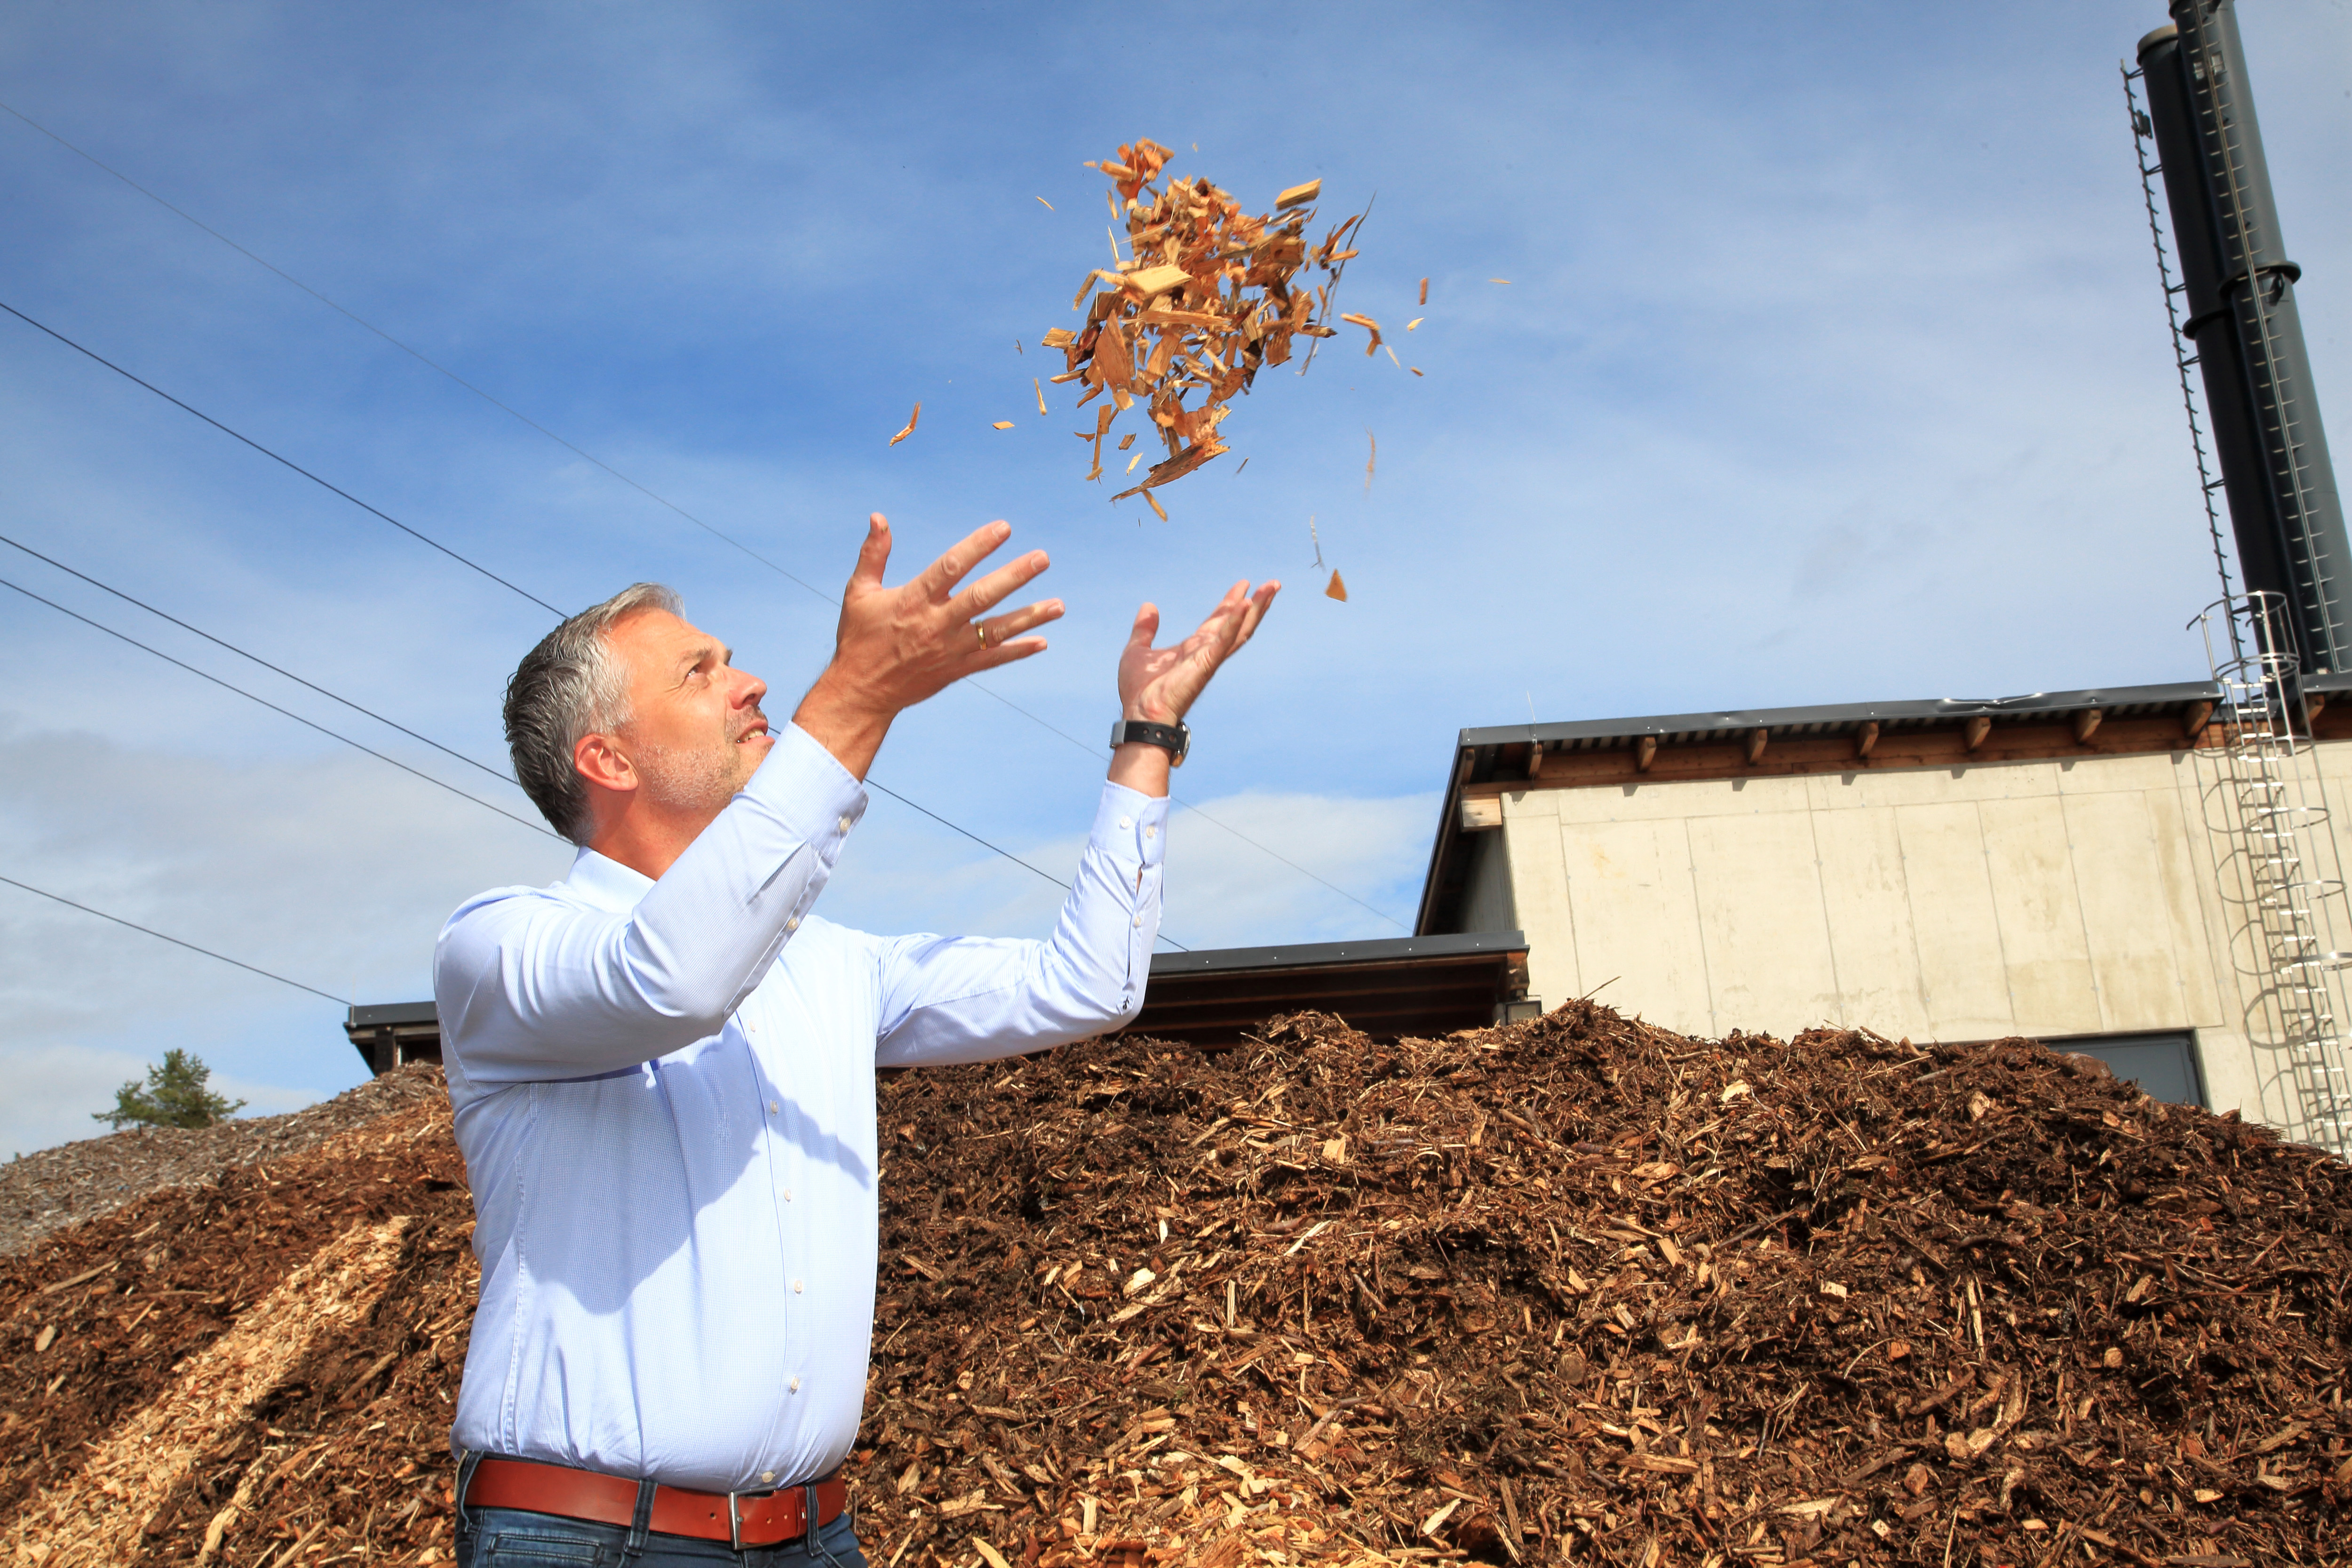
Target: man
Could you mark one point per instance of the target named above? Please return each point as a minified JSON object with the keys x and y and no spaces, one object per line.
{"x":662,"y":1068}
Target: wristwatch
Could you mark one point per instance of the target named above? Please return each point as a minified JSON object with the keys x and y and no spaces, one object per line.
{"x":1174,"y":739}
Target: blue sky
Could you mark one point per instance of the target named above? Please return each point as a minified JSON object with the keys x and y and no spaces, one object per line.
{"x":1830,"y":367}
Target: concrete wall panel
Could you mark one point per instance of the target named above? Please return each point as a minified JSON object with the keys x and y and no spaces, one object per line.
{"x":1961,"y":966}
{"x":1867,"y":906}
{"x":1768,"y":959}
{"x":2029,"y":863}
{"x":1637,"y":933}
{"x":2122,"y":884}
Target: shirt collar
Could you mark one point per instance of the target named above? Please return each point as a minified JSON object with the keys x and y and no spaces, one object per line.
{"x":607,"y":884}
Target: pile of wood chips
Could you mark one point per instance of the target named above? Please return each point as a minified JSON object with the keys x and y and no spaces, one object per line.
{"x":1204,"y":298}
{"x":1577,"y":1290}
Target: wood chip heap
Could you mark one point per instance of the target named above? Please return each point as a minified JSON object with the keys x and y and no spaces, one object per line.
{"x":1573,"y":1291}
{"x":1205,"y":299}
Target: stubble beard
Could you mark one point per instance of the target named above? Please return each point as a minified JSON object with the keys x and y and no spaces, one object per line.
{"x":699,"y":782}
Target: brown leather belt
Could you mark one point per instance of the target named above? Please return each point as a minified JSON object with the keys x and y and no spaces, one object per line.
{"x":740,"y":1519}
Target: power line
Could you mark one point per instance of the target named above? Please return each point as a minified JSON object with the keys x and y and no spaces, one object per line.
{"x":645,"y":490}
{"x":444,"y":550}
{"x":421,"y":358}
{"x":108,"y":588}
{"x":274,"y":458}
{"x":404,"y":767}
{"x":175,"y":942}
{"x":288,"y":713}
{"x":498,"y":773}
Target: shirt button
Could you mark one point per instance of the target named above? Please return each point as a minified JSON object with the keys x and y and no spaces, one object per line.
{"x":845,"y":824}
{"x":788,"y":1194}
{"x":797,"y":1287}
{"x":769,"y":1476}
{"x":1127,"y":822}
{"x":773,"y":1108}
{"x":795,"y":1385}
{"x":1139,"y":922}
{"x":1151,"y":832}
{"x":793,"y":923}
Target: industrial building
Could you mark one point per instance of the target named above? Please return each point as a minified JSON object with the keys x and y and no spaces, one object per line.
{"x":2064,"y":866}
{"x":2151,"y":874}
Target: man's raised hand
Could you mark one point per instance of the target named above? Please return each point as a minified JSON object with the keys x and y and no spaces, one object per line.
{"x":896,"y":647}
{"x":1158,"y":684}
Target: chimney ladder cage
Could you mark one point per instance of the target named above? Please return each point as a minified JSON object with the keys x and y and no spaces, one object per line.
{"x":2280,"y":873}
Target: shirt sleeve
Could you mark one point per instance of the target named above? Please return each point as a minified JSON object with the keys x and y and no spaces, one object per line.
{"x":971,"y":999}
{"x":532,"y":988}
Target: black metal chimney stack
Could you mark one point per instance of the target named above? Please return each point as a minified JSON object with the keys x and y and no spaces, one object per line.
{"x":2283,"y":507}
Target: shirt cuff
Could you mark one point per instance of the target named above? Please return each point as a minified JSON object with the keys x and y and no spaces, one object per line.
{"x":1131,"y":826}
{"x":806,"y":787}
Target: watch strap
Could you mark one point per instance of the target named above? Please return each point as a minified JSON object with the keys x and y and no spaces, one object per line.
{"x":1174,"y":739}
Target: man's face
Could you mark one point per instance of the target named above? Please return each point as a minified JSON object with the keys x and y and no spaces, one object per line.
{"x":696,"y":734}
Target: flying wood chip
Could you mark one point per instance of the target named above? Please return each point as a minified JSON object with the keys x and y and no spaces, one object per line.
{"x":1424,"y":291}
{"x":1204,"y":298}
{"x":1338,"y":589}
{"x":910,"y":430}
{"x":1004,"y":425}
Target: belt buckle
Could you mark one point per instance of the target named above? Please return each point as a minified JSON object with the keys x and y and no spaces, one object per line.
{"x":734,"y":1524}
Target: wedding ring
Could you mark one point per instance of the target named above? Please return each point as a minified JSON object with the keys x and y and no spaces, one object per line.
{"x":982,"y":631}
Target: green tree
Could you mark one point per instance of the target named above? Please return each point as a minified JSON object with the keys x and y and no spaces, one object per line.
{"x":175,"y":1096}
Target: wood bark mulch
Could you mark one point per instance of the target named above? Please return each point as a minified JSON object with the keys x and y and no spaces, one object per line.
{"x":1573,"y":1291}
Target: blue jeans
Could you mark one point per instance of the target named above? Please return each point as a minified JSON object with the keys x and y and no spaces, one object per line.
{"x":509,"y":1538}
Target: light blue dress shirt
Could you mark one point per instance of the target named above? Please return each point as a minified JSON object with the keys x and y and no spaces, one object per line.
{"x":665,"y":1095}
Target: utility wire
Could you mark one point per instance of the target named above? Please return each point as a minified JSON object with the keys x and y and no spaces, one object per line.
{"x":498,"y":773}
{"x":649,"y":493}
{"x":273,"y":706}
{"x":274,"y":458}
{"x":428,"y":739}
{"x":175,"y":942}
{"x":444,"y":550}
{"x":422,"y":359}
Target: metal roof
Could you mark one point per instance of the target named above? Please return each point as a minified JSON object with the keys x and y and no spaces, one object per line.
{"x":378,"y":1013}
{"x":1480,"y":750}
{"x":1324,"y":954}
{"x":2116,"y":702}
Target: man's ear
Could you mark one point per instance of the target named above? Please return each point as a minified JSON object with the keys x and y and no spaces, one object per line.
{"x":602,"y":765}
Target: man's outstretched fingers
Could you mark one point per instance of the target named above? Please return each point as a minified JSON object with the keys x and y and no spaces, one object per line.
{"x":873,"y":554}
{"x":999,"y":585}
{"x":1146,"y":626}
{"x":940,"y":578}
{"x":1000,"y":629}
{"x":1254,"y":613}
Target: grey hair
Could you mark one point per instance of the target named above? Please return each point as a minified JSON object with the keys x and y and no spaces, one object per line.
{"x":571,"y":685}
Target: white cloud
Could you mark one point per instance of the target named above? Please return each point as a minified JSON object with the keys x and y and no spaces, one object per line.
{"x":334,"y":872}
